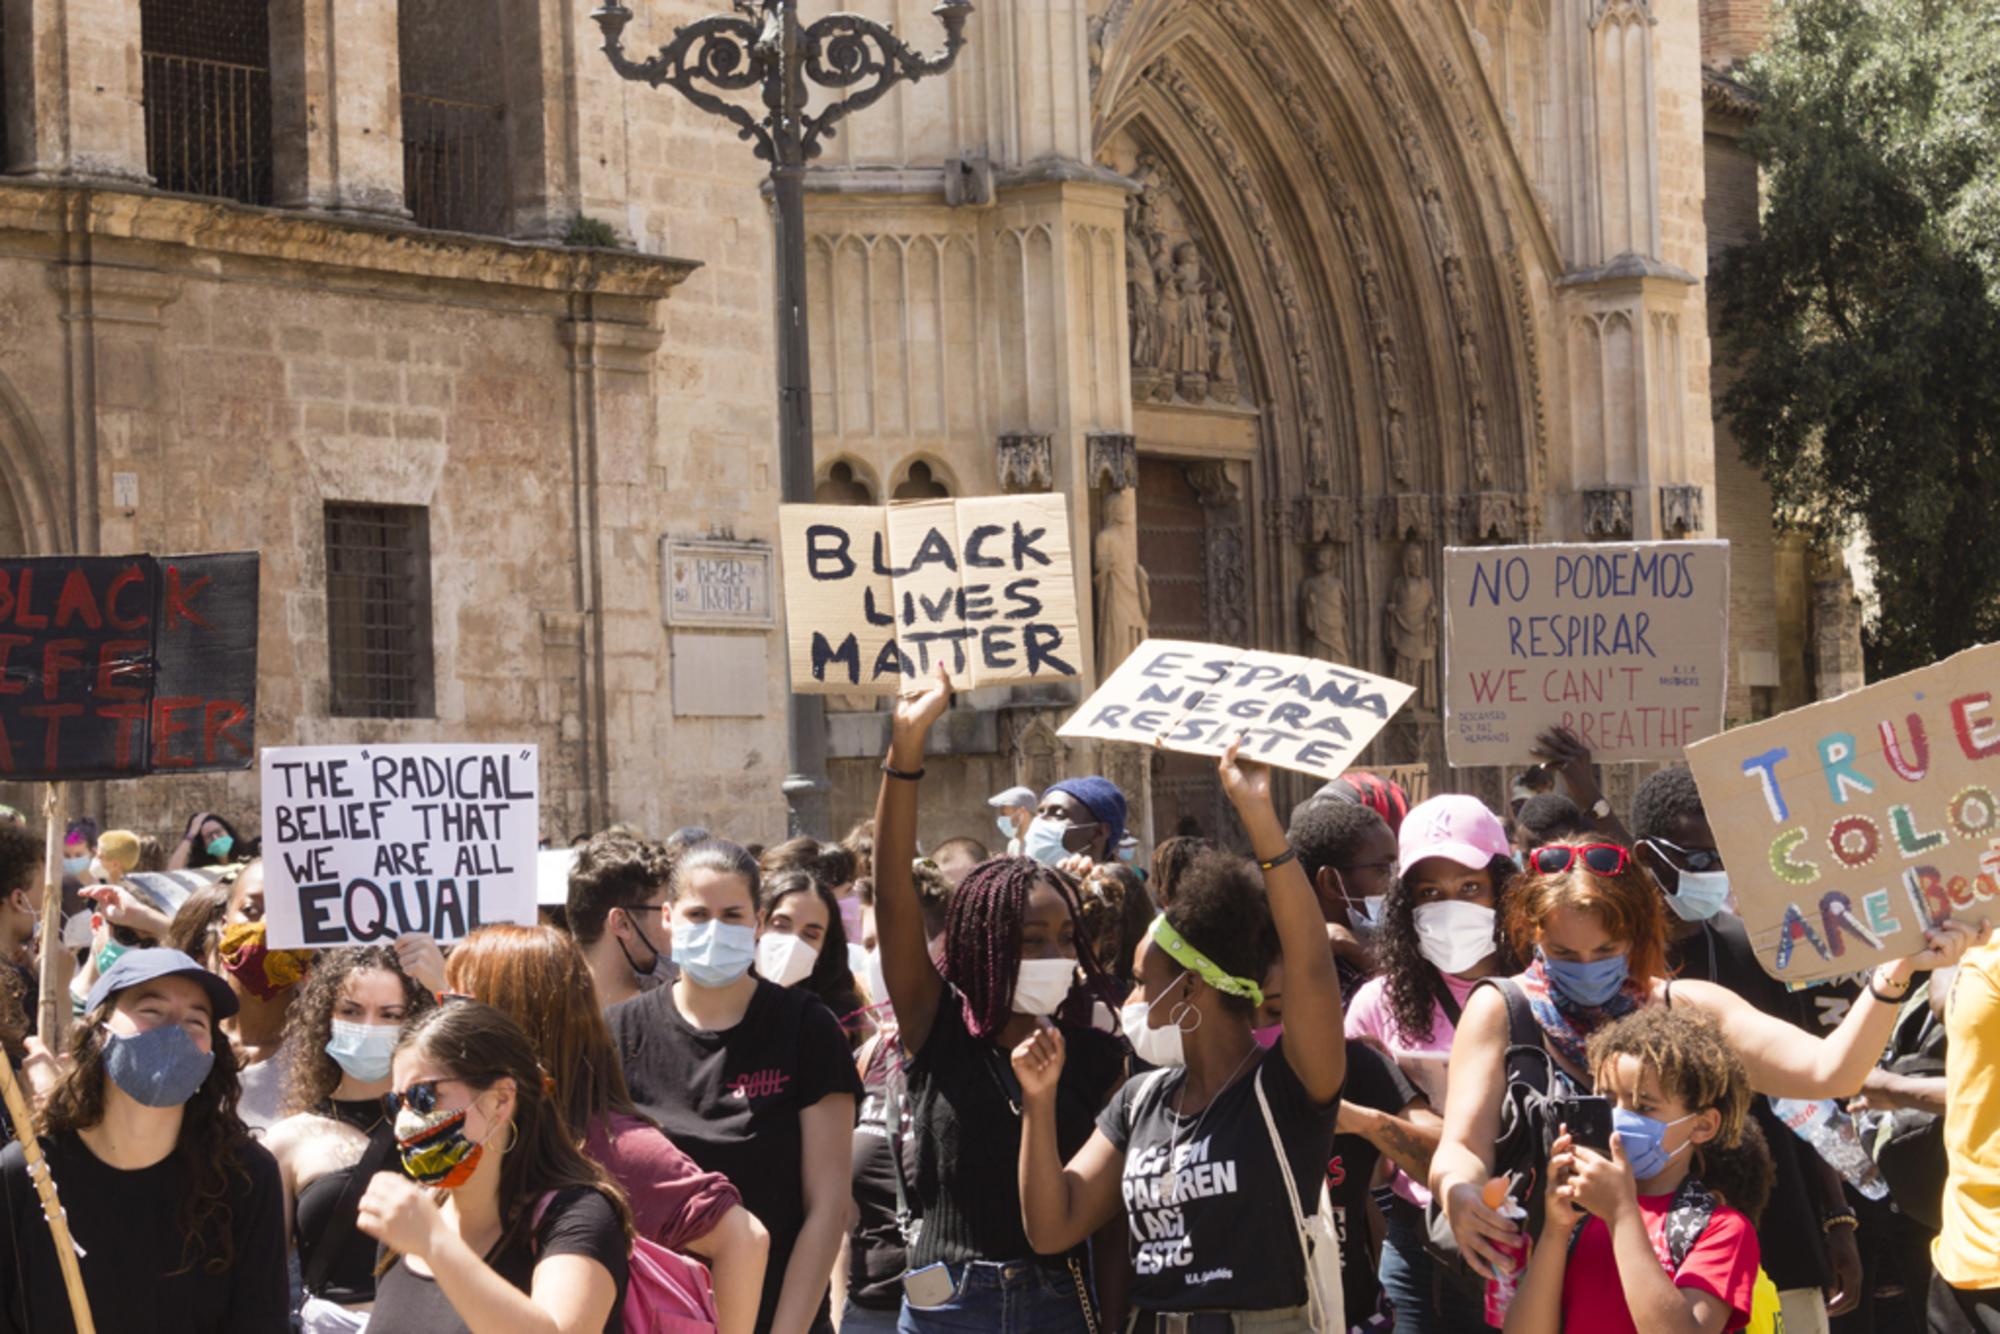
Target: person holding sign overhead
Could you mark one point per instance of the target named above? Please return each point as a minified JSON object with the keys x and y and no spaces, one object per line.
{"x":1010,"y":961}
{"x":1197,"y":1152}
{"x":176,"y":1212}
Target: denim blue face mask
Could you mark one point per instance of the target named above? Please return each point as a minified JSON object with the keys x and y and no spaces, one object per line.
{"x":714,"y":953}
{"x":1587,"y":984}
{"x":161,"y":1067}
{"x":1646,"y":1141}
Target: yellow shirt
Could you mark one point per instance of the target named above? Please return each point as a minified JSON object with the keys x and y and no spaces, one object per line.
{"x":1967,"y":1251}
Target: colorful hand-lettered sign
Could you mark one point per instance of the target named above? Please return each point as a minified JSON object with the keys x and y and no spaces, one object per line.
{"x":1623,"y":643}
{"x":1851,"y":826}
{"x":1295,"y":713}
{"x":876,"y":598}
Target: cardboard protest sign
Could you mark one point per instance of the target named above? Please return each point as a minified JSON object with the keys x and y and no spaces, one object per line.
{"x":875,"y":598}
{"x":1623,"y":643}
{"x":1295,"y":713}
{"x":121,"y":666}
{"x":1853,"y":825}
{"x":1414,"y":779}
{"x":365,"y":843}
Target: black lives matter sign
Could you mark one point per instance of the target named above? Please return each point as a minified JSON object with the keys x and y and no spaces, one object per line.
{"x":122,"y":666}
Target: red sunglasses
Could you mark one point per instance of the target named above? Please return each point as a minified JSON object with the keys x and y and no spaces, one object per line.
{"x":1598,"y":858}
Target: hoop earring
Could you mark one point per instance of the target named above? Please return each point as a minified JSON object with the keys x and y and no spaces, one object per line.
{"x":513,"y":1138}
{"x":1185,"y":1008}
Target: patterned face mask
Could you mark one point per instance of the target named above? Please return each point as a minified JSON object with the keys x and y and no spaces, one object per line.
{"x":260,"y":970}
{"x":435,"y":1149}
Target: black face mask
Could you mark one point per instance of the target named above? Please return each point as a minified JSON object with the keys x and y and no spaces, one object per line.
{"x":650,"y":973}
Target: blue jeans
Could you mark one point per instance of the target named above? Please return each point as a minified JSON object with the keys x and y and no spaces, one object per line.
{"x":1426,"y":1302}
{"x":863,"y":1320}
{"x":1013,"y":1298}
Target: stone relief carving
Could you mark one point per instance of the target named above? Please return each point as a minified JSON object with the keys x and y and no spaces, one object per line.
{"x":1124,"y":597}
{"x":1113,"y":460}
{"x":1183,"y":328}
{"x":1607,"y":513}
{"x":1026,"y":463}
{"x":1412,"y":628}
{"x":1494,"y":517}
{"x":1317,"y":519}
{"x":1323,"y":609}
{"x":1681,"y":510}
{"x":1226,"y":581}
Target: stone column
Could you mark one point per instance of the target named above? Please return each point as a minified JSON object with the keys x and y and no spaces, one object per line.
{"x":91,"y":125}
{"x":336,"y":108}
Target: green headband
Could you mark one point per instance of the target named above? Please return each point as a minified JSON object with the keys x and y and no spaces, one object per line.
{"x":1203,"y":967}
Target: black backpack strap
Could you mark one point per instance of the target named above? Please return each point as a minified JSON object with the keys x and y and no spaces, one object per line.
{"x":1452,"y":1010}
{"x":1687,"y":1219}
{"x":347,"y":1211}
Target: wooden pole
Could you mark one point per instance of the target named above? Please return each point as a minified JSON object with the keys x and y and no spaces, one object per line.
{"x":45,"y":1186}
{"x":53,"y":1019}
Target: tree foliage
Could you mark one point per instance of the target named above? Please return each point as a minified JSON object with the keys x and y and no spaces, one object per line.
{"x":1865,"y":319}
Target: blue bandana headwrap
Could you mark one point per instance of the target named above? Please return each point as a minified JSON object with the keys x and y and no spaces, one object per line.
{"x":1101,"y":797}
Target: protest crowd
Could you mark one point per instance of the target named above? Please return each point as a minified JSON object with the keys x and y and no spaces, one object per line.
{"x":1359,"y":1065}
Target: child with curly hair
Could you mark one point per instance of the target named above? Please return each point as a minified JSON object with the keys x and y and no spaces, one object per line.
{"x":1660,"y":1234}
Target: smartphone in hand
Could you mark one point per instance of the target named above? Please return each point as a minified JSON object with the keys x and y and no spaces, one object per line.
{"x":1589,"y":1122}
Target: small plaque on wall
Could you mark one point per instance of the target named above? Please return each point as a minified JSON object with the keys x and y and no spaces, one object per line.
{"x":717,"y":583}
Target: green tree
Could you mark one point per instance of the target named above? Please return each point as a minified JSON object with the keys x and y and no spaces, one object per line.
{"x":1864,"y":322}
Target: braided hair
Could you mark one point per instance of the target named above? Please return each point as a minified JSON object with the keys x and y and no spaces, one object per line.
{"x":982,"y":939}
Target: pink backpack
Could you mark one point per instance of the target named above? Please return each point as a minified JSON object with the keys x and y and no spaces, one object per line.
{"x":665,"y":1292}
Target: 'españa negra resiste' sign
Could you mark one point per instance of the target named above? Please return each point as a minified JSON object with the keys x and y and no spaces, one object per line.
{"x":122,"y":666}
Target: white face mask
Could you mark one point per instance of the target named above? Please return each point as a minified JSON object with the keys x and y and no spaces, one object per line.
{"x":1163,"y":1046}
{"x":1043,"y":985}
{"x":1454,"y":935}
{"x":785,"y":959}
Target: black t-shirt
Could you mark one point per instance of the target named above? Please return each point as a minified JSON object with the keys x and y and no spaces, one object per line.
{"x":1204,"y":1197}
{"x":875,"y":1255}
{"x":1375,"y":1082}
{"x":731,"y":1100}
{"x":965,"y":1111}
{"x":129,"y":1226}
{"x":1794,"y":1252}
{"x":578,"y":1221}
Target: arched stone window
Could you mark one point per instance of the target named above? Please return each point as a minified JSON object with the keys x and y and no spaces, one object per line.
{"x":845,"y":483}
{"x":920,"y":482}
{"x":207,"y":70}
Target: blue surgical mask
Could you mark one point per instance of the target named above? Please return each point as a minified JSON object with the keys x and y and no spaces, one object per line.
{"x":1646,"y":1141}
{"x":712,"y":953}
{"x":76,"y":865}
{"x":1005,"y":825}
{"x":1587,"y":984}
{"x":363,"y":1050}
{"x":161,"y":1067}
{"x":1701,"y":895}
{"x":1044,"y":840}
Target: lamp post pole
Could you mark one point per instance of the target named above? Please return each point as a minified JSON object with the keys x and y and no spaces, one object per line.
{"x":764,"y":45}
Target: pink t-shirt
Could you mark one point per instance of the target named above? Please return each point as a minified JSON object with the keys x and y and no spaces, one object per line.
{"x":1423,"y":1063}
{"x":673,"y":1201}
{"x":1722,"y":1263}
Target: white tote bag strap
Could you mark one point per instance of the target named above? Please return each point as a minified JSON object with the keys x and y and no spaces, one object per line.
{"x":1318,"y":1316}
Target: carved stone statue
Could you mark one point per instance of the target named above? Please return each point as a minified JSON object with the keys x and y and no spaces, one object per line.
{"x":1323,"y":609}
{"x":1413,"y":627}
{"x":1142,"y":299}
{"x":1187,"y":338}
{"x":1221,"y":347}
{"x":1124,"y":596}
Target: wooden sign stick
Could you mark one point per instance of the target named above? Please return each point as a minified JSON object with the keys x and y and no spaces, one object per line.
{"x":53,"y":1019}
{"x":45,"y":1186}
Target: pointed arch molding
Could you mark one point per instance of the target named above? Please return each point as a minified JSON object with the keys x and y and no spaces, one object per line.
{"x":1356,"y":179}
{"x":31,"y":489}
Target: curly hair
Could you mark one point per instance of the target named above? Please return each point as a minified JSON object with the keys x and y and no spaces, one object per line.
{"x":1627,"y":905}
{"x":860,"y":841}
{"x":1547,"y":816}
{"x":830,"y":978}
{"x":982,"y":947}
{"x":1326,"y":832}
{"x":615,"y":869}
{"x":196,"y":930}
{"x":1663,"y":800}
{"x":1220,"y":908}
{"x":210,"y":1145}
{"x":312,"y":1075}
{"x":480,"y":1045}
{"x":1412,"y":984}
{"x":1170,"y":862}
{"x":20,"y":859}
{"x":1695,"y":1066}
{"x":831,"y":864}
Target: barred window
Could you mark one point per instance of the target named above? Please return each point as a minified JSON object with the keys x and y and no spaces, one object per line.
{"x":455,"y":130}
{"x":207,"y":70}
{"x":378,"y":611}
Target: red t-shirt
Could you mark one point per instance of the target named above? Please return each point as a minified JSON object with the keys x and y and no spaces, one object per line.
{"x":673,"y":1201}
{"x":1722,"y":1263}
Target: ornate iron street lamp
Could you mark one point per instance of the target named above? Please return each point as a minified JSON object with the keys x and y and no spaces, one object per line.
{"x":764,"y":45}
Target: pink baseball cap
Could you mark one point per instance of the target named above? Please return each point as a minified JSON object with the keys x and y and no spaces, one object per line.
{"x":1458,"y":828}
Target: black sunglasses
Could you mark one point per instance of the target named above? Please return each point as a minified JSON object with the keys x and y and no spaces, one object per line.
{"x":1598,"y":858}
{"x":421,"y":1098}
{"x":1698,"y":860}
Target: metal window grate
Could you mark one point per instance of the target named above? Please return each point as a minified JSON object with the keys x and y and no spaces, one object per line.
{"x":378,"y":611}
{"x":455,"y":164}
{"x":206,"y":65}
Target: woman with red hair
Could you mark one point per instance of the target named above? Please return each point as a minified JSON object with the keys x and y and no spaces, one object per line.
{"x":1590,"y":920}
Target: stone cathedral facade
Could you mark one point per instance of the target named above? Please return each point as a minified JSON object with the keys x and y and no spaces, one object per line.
{"x":465,"y":334}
